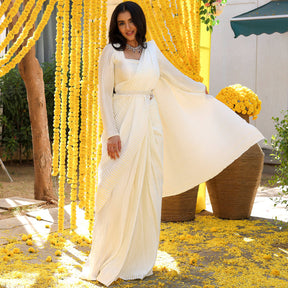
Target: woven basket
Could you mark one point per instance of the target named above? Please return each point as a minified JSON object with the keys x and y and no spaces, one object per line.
{"x":180,"y":207}
{"x":232,"y":192}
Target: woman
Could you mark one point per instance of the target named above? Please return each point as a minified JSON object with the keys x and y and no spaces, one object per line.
{"x":150,"y":146}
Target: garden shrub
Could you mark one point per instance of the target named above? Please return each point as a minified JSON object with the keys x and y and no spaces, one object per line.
{"x":279,"y":143}
{"x":16,"y":129}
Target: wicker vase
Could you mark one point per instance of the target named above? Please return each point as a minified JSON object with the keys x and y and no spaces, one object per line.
{"x":232,"y":192}
{"x":180,"y":207}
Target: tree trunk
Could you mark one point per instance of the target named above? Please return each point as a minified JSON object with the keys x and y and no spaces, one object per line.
{"x":32,"y":75}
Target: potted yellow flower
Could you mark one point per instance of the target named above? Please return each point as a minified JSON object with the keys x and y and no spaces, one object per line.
{"x":232,"y":192}
{"x":241,"y":99}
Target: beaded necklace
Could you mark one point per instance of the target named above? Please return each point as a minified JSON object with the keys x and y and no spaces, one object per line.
{"x":137,"y":49}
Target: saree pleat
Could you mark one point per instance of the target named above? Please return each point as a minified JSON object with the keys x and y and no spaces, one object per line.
{"x":126,"y":230}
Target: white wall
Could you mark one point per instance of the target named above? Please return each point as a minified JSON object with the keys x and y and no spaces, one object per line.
{"x":258,"y":62}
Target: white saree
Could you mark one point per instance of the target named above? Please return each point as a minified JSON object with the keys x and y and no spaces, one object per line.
{"x":170,"y":143}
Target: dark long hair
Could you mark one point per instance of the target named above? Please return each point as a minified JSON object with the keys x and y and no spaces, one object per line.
{"x":138,"y":19}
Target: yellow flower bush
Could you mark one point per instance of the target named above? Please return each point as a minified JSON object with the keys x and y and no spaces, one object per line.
{"x":241,"y":100}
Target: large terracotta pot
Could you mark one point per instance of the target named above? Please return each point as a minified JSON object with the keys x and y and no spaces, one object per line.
{"x":232,"y":192}
{"x":180,"y":207}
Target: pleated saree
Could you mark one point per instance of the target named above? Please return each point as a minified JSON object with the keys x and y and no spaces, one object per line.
{"x":171,"y":142}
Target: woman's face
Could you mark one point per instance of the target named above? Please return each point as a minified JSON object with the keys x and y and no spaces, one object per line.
{"x":126,"y":26}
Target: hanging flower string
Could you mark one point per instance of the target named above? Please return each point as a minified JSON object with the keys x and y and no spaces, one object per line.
{"x":63,"y":123}
{"x":84,"y":107}
{"x":12,"y":12}
{"x":73,"y":120}
{"x":57,"y":94}
{"x":4,"y":6}
{"x":181,"y":49}
{"x":17,"y":26}
{"x":22,"y":37}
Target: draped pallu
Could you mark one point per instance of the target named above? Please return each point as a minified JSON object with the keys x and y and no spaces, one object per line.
{"x":170,"y":143}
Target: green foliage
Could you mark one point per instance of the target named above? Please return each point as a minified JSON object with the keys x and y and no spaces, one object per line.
{"x":49,"y":82}
{"x":279,"y":144}
{"x":16,"y":130}
{"x":208,"y":12}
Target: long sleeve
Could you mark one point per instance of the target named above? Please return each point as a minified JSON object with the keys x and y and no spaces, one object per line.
{"x":173,"y":75}
{"x":106,"y":84}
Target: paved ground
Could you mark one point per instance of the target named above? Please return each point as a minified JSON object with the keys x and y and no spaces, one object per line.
{"x":27,"y":224}
{"x":13,"y":228}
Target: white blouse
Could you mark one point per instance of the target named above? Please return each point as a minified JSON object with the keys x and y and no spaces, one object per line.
{"x":115,"y":69}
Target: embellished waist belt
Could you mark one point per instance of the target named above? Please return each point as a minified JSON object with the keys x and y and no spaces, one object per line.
{"x":144,"y":94}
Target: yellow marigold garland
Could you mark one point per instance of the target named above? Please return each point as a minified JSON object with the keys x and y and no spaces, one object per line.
{"x":64,"y":92}
{"x":12,"y":12}
{"x":4,"y":6}
{"x":84,"y":106}
{"x":91,"y":73}
{"x":23,"y":36}
{"x":180,"y":46}
{"x":17,"y":26}
{"x":93,"y":168}
{"x":241,"y":100}
{"x":57,"y":94}
{"x":73,"y":119}
{"x":97,"y":121}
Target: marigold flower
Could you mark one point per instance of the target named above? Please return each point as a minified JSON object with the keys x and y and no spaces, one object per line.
{"x":275,"y":272}
{"x":24,"y":237}
{"x":16,"y":251}
{"x":10,"y":254}
{"x":31,"y":250}
{"x":5,"y":258}
{"x":193,"y":261}
{"x":58,"y":253}
{"x":267,"y":257}
{"x":38,"y":218}
{"x":29,"y":242}
{"x":49,"y":259}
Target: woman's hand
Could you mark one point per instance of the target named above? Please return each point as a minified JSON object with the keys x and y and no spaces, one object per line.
{"x":114,"y":147}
